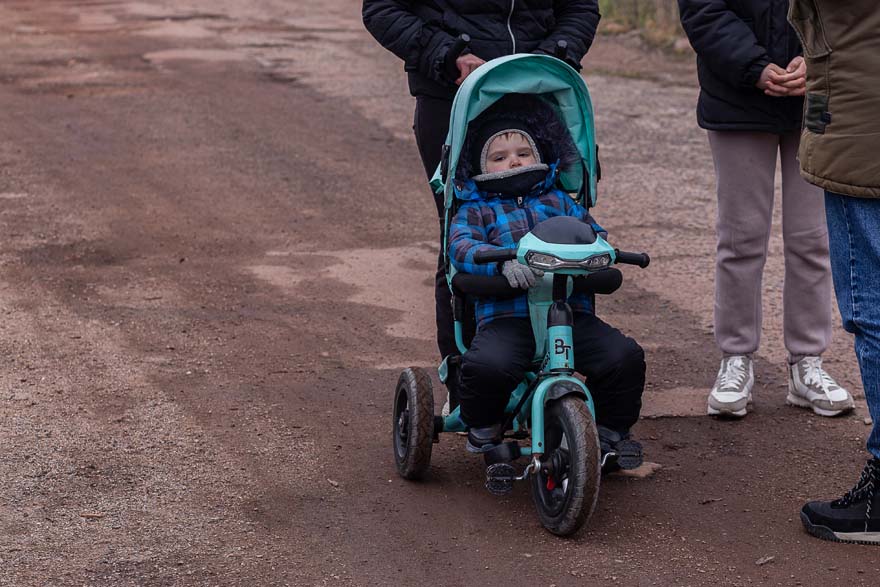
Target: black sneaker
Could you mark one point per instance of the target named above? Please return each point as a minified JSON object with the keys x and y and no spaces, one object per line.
{"x":855,"y":517}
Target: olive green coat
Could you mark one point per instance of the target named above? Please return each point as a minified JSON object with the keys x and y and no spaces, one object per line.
{"x":840,"y":142}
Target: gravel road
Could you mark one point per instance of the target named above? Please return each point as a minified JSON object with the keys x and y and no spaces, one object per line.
{"x":215,"y":257}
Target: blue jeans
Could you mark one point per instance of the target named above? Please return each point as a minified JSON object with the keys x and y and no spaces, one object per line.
{"x":854,"y":236}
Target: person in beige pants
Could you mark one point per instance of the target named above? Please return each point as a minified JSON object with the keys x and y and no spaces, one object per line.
{"x":752,"y":80}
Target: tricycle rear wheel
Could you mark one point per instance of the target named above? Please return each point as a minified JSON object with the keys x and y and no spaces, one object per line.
{"x":566,"y":488}
{"x":413,"y":423}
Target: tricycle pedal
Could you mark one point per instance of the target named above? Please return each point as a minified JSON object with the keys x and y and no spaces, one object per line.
{"x":500,"y":478}
{"x":630,"y":454}
{"x":626,"y":455}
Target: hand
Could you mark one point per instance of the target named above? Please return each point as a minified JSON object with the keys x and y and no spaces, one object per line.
{"x":466,"y":64}
{"x":795,"y":78}
{"x":519,"y":275}
{"x":770,"y":80}
{"x":779,"y":82}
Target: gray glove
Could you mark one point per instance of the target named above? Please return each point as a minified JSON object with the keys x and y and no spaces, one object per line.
{"x":519,"y":275}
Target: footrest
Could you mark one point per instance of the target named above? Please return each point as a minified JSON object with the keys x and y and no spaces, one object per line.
{"x":500,"y":478}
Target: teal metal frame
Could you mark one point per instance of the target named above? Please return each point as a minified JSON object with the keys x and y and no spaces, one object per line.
{"x":554,"y":346}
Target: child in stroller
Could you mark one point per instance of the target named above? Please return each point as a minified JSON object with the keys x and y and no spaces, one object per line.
{"x":506,"y":184}
{"x":518,"y":172}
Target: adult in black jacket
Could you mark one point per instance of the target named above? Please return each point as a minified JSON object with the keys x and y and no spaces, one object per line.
{"x":752,"y":80}
{"x":422,"y":34}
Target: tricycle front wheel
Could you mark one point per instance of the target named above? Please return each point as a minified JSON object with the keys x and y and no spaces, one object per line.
{"x":413,"y":423}
{"x":566,"y":488}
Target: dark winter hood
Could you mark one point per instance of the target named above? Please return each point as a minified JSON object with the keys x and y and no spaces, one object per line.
{"x":544,"y":127}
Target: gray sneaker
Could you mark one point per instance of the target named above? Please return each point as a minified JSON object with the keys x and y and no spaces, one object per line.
{"x":732,"y":391}
{"x":810,"y":386}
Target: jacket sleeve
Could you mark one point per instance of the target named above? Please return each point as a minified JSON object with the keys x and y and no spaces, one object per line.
{"x":724,"y":41}
{"x":576,"y":22}
{"x":467,"y":235}
{"x":422,"y":46}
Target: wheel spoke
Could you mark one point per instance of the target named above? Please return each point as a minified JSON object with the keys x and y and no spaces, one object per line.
{"x":403,"y":424}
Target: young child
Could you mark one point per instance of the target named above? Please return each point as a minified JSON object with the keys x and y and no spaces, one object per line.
{"x":506,"y":183}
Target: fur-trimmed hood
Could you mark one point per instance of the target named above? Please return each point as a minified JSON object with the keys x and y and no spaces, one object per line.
{"x":547,"y":129}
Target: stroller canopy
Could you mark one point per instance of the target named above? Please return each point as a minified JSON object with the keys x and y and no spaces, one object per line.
{"x":526,"y":74}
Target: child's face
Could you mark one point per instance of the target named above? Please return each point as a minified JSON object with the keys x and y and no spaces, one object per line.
{"x":507,"y":151}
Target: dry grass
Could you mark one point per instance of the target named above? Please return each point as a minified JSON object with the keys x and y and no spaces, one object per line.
{"x":656,"y":20}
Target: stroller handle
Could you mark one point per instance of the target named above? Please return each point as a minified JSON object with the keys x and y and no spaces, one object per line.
{"x":494,"y":255}
{"x":640,"y":259}
{"x":561,"y":51}
{"x":455,"y":51}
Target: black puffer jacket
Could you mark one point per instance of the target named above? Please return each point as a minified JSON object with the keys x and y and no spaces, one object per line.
{"x":421,"y":33}
{"x":734,"y":41}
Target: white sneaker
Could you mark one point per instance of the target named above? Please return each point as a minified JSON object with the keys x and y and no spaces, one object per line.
{"x":810,"y":386}
{"x":733,"y":387}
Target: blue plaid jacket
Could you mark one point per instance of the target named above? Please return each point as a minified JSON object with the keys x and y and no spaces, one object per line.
{"x":486,"y":222}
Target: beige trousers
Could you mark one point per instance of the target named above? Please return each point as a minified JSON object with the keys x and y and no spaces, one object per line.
{"x":745,"y":169}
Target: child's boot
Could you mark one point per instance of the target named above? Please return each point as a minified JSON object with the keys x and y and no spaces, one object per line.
{"x":485,"y":438}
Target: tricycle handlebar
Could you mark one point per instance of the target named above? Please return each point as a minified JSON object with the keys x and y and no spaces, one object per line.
{"x":494,"y":255}
{"x":640,"y":259}
{"x":602,"y":282}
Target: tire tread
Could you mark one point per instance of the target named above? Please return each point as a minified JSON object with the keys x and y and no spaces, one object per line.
{"x":583,"y":501}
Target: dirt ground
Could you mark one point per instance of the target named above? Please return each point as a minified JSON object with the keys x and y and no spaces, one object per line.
{"x":215,"y":256}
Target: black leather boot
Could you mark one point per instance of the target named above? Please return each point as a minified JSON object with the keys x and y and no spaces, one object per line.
{"x":855,"y":517}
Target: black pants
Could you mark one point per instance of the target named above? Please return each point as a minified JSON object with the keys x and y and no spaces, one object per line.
{"x":430,"y":126}
{"x":502,"y":352}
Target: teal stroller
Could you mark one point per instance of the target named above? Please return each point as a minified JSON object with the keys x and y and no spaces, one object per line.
{"x":550,"y":417}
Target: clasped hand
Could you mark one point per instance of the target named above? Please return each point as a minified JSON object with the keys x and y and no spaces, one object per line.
{"x":778,"y":82}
